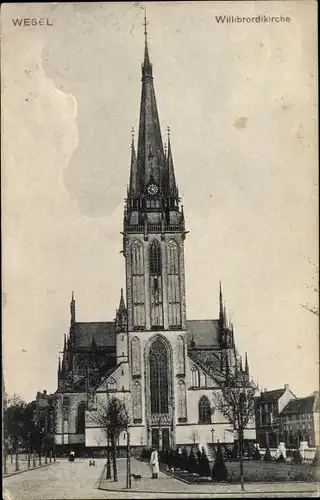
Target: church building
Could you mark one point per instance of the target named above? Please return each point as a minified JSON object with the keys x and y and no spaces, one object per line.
{"x":162,"y":365}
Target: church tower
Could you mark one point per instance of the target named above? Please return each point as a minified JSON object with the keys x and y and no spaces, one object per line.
{"x":153,"y":246}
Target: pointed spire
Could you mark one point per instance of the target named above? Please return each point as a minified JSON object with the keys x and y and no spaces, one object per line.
{"x":133,"y":167}
{"x":221,"y":308}
{"x":73,"y":309}
{"x":65,"y":342}
{"x":232,"y":336}
{"x":122,"y":305}
{"x":59,"y":366}
{"x":246,"y":368}
{"x":150,"y":152}
{"x":225,"y":320}
{"x":240,"y":365}
{"x":147,"y":66}
{"x":170,"y":169}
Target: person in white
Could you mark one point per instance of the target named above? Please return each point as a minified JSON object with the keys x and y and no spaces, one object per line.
{"x":154,"y":463}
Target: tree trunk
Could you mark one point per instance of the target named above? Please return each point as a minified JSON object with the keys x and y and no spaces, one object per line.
{"x":34,"y":459}
{"x":241,"y":458}
{"x":128,"y":461}
{"x":17,"y":456}
{"x":114,"y":457}
{"x":5,"y":462}
{"x":108,"y":474}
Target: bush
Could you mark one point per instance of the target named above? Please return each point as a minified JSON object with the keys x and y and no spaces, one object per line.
{"x":267,"y":456}
{"x":234,"y":452}
{"x":204,"y":466}
{"x":316,"y":458}
{"x":256,"y":454}
{"x":192,"y":462}
{"x":219,"y":469}
{"x":280,"y":458}
{"x":296,"y":457}
{"x":178,"y":461}
{"x":184,"y":459}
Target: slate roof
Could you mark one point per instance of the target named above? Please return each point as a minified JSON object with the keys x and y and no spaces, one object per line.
{"x":302,"y":405}
{"x":104,"y":334}
{"x":204,"y":332}
{"x":269,"y":396}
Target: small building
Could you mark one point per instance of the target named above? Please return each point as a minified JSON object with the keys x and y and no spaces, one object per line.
{"x":268,"y":407}
{"x":300,"y":420}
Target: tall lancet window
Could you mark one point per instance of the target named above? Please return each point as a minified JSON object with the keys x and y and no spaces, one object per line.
{"x":155,"y":285}
{"x":137,"y":403}
{"x":137,"y":266}
{"x":174,"y":301}
{"x":182,"y":403}
{"x":159,"y":391}
{"x":180,"y":355}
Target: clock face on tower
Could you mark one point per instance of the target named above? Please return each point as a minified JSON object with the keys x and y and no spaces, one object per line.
{"x":152,"y":189}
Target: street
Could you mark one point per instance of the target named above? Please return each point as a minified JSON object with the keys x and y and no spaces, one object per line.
{"x":60,"y":480}
{"x":65,"y":480}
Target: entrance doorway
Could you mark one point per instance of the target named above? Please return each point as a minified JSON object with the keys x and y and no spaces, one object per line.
{"x":155,"y":438}
{"x":165,"y":439}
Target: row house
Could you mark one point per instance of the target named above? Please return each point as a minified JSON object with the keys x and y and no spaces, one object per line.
{"x":268,"y":407}
{"x":300,"y":420}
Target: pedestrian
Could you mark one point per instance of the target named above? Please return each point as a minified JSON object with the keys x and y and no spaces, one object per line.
{"x":154,"y":463}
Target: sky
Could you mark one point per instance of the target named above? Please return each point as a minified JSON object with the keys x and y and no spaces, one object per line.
{"x":240,"y":101}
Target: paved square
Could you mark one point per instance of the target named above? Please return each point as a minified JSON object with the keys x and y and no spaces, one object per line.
{"x":65,"y":480}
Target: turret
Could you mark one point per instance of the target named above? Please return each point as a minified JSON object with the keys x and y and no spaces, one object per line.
{"x":121,"y":330}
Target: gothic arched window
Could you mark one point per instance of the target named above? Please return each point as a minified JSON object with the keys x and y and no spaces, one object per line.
{"x":159,"y":391}
{"x":81,"y":421}
{"x":174,"y":309}
{"x":135,"y":357}
{"x":137,"y":258}
{"x":137,"y":270}
{"x":136,"y":402}
{"x":155,"y":285}
{"x":182,"y":402}
{"x":195,"y":377}
{"x":112,"y":385}
{"x":155,"y":258}
{"x":204,"y":410}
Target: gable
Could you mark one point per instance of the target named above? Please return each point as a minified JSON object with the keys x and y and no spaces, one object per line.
{"x":112,"y":376}
{"x":208,"y":378}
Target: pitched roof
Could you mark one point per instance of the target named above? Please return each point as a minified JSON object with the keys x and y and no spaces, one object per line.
{"x":268,"y":396}
{"x":104,"y":334}
{"x":204,"y":332}
{"x":302,"y":405}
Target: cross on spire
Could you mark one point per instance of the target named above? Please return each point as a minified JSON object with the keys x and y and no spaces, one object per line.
{"x":145,"y":24}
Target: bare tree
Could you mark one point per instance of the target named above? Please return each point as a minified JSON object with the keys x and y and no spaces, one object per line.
{"x":235,"y":401}
{"x":195,"y":436}
{"x":113,"y":419}
{"x":314,"y":309}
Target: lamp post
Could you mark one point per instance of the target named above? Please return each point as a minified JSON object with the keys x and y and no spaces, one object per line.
{"x":212,"y":439}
